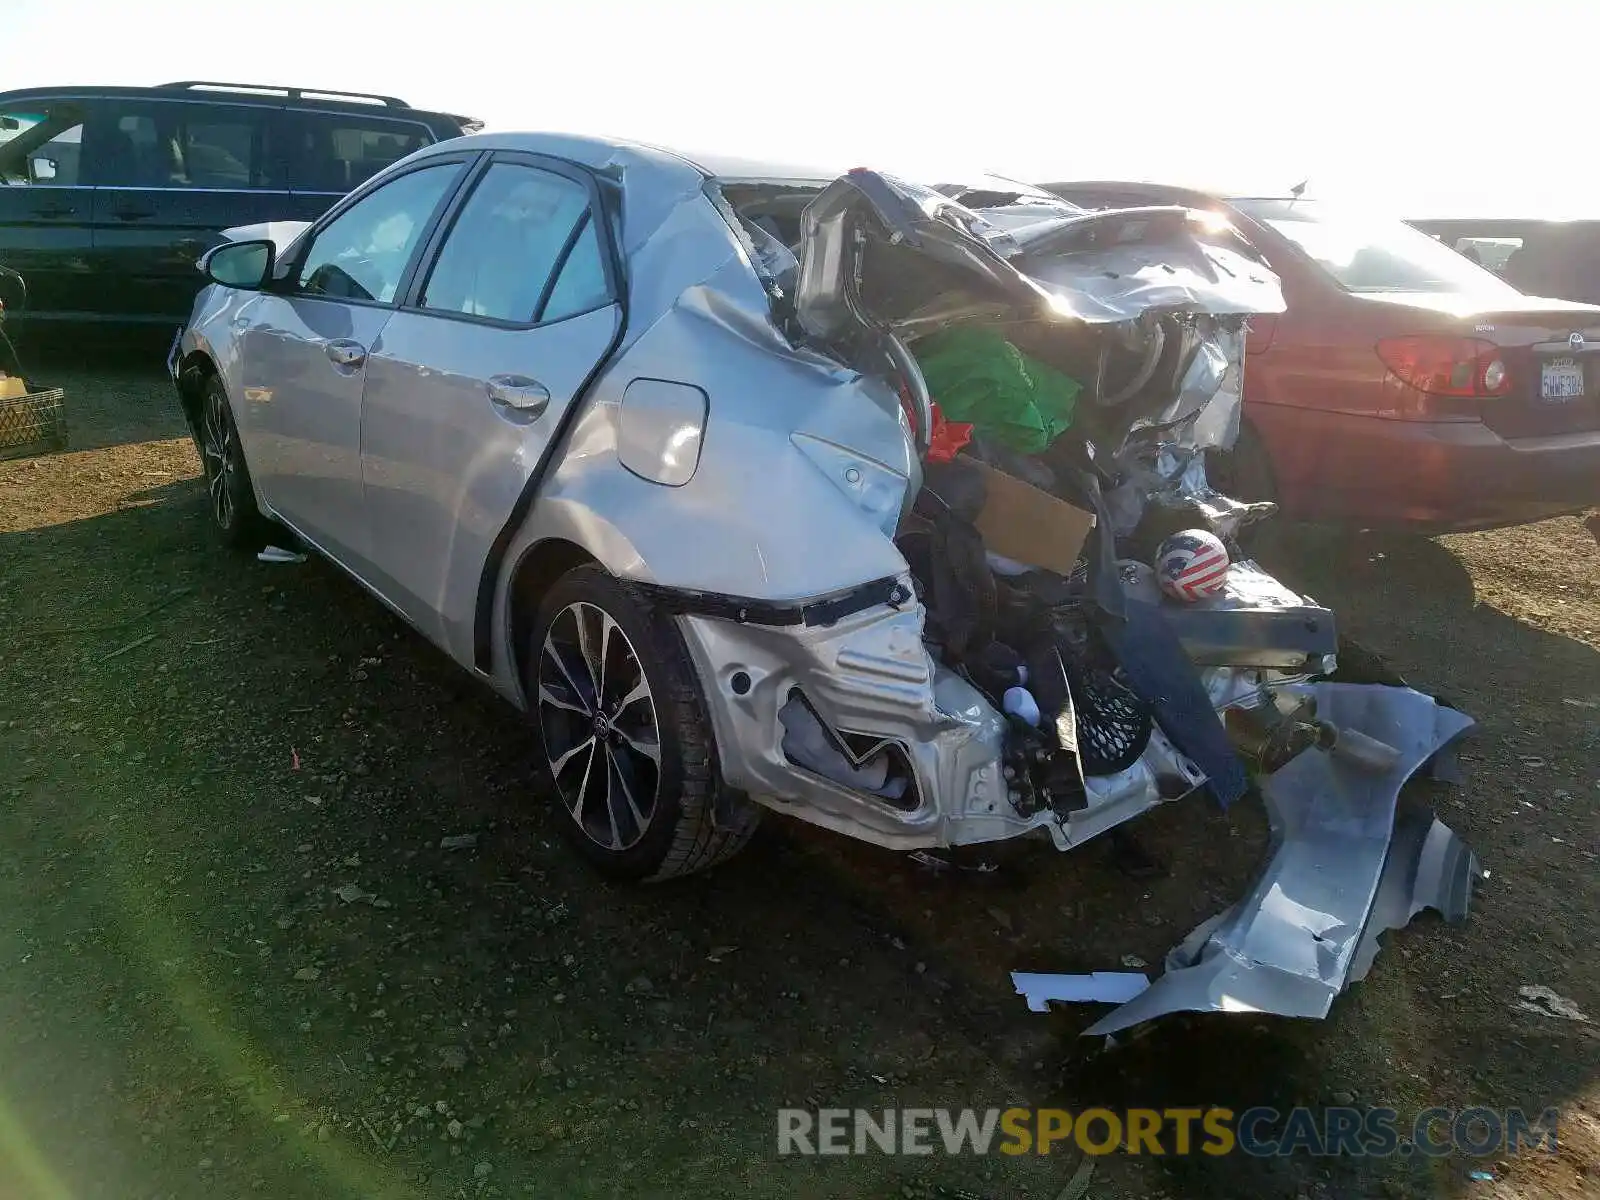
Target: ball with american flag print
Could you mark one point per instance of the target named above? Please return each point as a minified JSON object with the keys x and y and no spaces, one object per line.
{"x":1191,"y":564}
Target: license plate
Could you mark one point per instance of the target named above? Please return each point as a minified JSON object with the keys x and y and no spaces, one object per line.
{"x":1560,"y":379}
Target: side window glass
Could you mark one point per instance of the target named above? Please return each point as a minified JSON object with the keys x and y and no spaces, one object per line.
{"x":336,"y":153}
{"x":218,"y":154}
{"x":40,"y":145}
{"x":180,"y":146}
{"x":362,"y":254}
{"x":510,"y":238}
{"x":581,"y":285}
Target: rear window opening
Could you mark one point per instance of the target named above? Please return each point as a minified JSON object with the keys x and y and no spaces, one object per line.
{"x":766,"y":218}
{"x":1364,"y":253}
{"x":773,"y":208}
{"x":1490,"y":252}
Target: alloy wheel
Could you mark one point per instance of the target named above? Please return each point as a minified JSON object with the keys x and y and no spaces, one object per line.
{"x":601,"y":735}
{"x":221,"y":451}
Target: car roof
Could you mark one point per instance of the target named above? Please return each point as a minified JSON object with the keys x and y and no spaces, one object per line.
{"x":734,"y":169}
{"x":266,"y":95}
{"x":599,"y":152}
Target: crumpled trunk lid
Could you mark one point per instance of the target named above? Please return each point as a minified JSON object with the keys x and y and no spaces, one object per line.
{"x":880,"y":252}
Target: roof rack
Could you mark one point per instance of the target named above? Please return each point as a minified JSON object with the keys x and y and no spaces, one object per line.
{"x":291,"y":93}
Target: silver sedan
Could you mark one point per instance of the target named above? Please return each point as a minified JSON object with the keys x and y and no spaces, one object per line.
{"x":648,"y":445}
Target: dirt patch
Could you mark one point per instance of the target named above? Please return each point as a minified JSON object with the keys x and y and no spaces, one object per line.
{"x":238,"y":956}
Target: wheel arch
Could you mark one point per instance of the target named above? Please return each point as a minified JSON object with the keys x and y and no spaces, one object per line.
{"x":705,"y":823}
{"x":194,"y":370}
{"x":535,"y":573}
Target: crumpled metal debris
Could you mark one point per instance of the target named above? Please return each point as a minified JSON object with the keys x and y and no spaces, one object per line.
{"x":1171,"y":474}
{"x":1097,"y":987}
{"x":1343,"y":870}
{"x":1536,"y":998}
{"x":1167,"y":467}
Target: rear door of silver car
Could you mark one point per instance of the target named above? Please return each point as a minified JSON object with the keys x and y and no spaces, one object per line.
{"x":516,"y":305}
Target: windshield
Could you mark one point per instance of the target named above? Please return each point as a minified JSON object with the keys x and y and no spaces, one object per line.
{"x":1372,"y":254}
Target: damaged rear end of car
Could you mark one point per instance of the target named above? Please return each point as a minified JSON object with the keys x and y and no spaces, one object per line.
{"x":974,"y":584}
{"x":1042,"y":693}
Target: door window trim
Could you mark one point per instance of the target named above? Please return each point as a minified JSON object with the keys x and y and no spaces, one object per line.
{"x":410,"y":295}
{"x":284,"y":284}
{"x":189,"y":190}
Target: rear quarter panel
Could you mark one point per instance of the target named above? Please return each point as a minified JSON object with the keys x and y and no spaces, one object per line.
{"x":770,"y":512}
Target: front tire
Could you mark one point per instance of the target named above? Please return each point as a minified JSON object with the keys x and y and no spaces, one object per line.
{"x":230,"y":495}
{"x":626,"y":735}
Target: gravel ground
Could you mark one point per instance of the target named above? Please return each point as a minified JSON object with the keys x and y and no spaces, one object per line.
{"x":236,"y":955}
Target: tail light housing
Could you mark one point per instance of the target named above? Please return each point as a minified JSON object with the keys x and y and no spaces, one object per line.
{"x":1460,"y":367}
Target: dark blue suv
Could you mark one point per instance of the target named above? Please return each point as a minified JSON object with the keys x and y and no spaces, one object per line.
{"x":108,"y":195}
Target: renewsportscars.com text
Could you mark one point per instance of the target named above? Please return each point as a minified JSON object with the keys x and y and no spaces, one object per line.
{"x":1259,"y":1132}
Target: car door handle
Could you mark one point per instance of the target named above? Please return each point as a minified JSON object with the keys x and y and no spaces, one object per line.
{"x":526,"y":396}
{"x":55,"y":210}
{"x":132,"y":214}
{"x":346,"y":353}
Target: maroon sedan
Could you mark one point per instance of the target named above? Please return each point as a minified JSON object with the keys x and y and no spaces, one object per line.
{"x":1404,"y":385}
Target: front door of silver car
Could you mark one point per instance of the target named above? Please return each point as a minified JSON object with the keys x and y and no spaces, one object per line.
{"x":515,"y":306}
{"x":304,"y":349}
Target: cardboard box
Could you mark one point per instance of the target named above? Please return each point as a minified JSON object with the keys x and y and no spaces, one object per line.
{"x":1021,"y":522}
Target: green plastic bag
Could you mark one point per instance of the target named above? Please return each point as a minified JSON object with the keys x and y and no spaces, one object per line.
{"x":976,"y":376}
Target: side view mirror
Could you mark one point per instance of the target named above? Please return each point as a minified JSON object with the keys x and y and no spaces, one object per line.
{"x":10,"y":123}
{"x":245,"y":265}
{"x":43,"y":168}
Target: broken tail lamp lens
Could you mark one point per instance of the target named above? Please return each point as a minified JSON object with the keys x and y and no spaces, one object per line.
{"x":1447,"y":366}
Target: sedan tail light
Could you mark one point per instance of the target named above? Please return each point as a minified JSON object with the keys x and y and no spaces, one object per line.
{"x":1447,"y":366}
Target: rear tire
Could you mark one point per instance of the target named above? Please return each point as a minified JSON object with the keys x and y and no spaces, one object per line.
{"x":230,"y":495}
{"x":626,"y":735}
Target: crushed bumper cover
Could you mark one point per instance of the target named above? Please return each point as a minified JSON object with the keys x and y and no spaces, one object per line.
{"x":868,"y":679}
{"x":1342,"y":871}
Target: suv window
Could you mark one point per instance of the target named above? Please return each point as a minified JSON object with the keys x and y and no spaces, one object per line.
{"x":40,"y":145}
{"x":181,"y":145}
{"x":363,"y":252}
{"x":332,"y":152}
{"x":522,"y":249}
